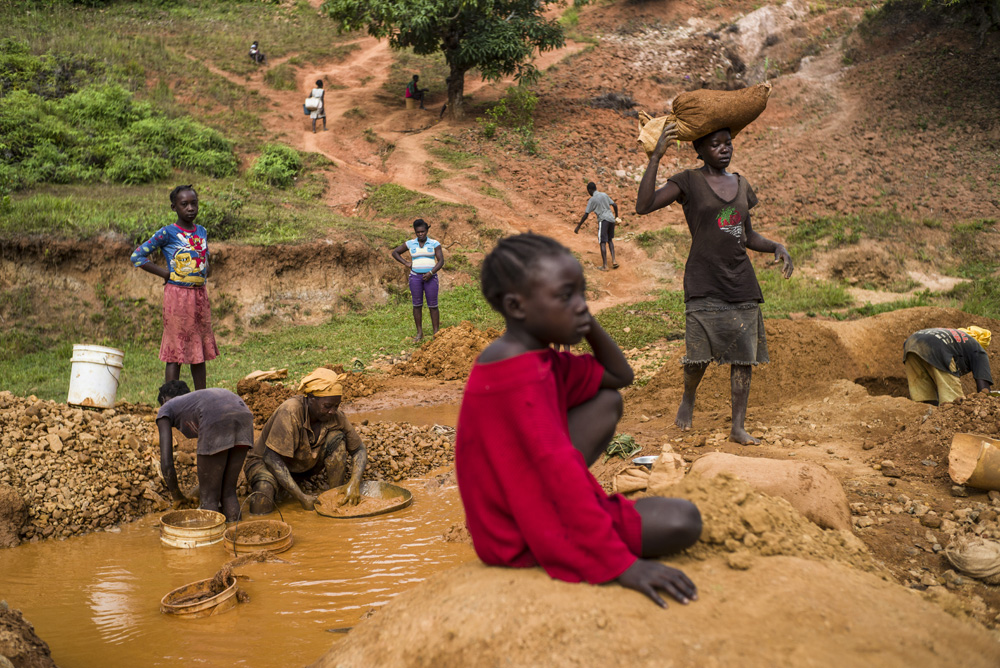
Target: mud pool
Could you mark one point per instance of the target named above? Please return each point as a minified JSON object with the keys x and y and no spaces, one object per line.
{"x":95,"y":598}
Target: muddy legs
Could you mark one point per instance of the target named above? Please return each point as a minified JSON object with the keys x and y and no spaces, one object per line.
{"x":739,"y":385}
{"x":217,"y":478}
{"x":693,"y":374}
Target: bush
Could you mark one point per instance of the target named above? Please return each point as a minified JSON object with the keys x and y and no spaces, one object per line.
{"x":514,"y":112}
{"x":278,"y":165}
{"x":102,"y":133}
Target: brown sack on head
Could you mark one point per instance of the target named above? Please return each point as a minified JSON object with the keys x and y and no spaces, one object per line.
{"x":701,"y":112}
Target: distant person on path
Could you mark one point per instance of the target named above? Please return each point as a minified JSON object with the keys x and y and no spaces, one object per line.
{"x":602,"y":205}
{"x":306,"y":435}
{"x":187,"y":316}
{"x":721,"y":294}
{"x":413,"y":90}
{"x":426,"y":260}
{"x":223,"y":425}
{"x":256,"y":55}
{"x":935,"y":359}
{"x":533,"y":420}
{"x":320,"y":111}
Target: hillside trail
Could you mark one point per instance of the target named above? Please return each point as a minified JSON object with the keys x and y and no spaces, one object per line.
{"x":374,"y":144}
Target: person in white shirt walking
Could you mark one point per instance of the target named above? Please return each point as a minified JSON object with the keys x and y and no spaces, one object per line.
{"x":602,"y":205}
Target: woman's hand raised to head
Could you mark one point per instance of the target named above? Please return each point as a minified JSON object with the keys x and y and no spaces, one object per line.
{"x":668,"y":135}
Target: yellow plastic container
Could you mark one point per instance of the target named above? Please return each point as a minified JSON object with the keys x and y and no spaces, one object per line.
{"x":192,"y":528}
{"x":974,"y":460}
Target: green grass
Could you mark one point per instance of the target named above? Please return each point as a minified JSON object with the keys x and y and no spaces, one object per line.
{"x":385,"y":329}
{"x":837,"y":231}
{"x":981,"y":297}
{"x":647,"y":321}
{"x":281,"y":77}
{"x":799,"y":294}
{"x":652,"y":240}
{"x":973,"y":252}
{"x":395,"y":201}
{"x":446,"y":149}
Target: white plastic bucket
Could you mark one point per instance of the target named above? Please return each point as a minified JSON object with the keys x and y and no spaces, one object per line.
{"x":94,"y":378}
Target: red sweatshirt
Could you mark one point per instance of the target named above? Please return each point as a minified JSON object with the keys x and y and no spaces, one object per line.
{"x":529,"y":497}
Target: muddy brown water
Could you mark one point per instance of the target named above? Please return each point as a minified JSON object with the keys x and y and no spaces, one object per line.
{"x":95,"y":599}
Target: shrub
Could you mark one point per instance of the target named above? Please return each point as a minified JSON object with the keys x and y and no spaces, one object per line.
{"x":514,"y":112}
{"x":277,"y":165}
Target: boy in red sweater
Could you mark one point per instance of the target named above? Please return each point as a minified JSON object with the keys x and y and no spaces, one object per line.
{"x":533,"y":420}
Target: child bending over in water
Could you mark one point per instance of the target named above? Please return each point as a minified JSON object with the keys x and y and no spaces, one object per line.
{"x":533,"y":420}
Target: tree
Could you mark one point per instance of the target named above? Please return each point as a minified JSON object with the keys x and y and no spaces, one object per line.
{"x":497,"y":37}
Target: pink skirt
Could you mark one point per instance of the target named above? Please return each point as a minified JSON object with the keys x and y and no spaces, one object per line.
{"x":187,"y":326}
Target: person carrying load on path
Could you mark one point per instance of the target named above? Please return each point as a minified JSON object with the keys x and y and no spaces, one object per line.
{"x":187,"y":315}
{"x":306,"y":435}
{"x":721,"y":295}
{"x":415,"y":92}
{"x":256,"y":55}
{"x":223,"y":425}
{"x":317,"y":109}
{"x":602,"y":205}
{"x":936,"y":358}
{"x":533,"y":420}
{"x":426,"y":260}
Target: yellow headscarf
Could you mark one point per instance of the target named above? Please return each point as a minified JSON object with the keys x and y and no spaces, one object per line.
{"x":323,"y":383}
{"x":981,"y":335}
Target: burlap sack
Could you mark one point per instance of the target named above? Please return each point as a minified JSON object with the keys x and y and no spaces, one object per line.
{"x":701,"y":112}
{"x":977,"y":557}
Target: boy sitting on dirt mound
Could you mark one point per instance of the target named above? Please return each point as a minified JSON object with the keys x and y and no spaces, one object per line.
{"x":533,"y":420}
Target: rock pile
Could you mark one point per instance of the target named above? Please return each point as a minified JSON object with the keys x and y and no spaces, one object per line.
{"x":81,"y":470}
{"x":450,"y":354}
{"x":399,"y":450}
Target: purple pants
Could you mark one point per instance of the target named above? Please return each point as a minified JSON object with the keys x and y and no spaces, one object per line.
{"x":418,"y":288}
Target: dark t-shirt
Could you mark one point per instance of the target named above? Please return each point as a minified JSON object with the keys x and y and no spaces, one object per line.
{"x":950,"y":350}
{"x":718,"y":265}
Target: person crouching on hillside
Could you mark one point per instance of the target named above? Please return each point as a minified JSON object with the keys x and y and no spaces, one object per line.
{"x":936,"y":358}
{"x":721,"y":295}
{"x":306,"y":435}
{"x":533,"y":420}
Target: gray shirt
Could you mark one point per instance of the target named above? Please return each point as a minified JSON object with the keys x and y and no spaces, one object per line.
{"x":217,"y":418}
{"x":601,"y":204}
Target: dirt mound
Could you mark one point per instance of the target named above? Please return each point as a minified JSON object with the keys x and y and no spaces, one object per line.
{"x":807,"y":354}
{"x":81,"y":470}
{"x":450,"y":354}
{"x":399,"y":450}
{"x":782,"y":611}
{"x":741,"y":523}
{"x":811,"y":489}
{"x":868,"y":267}
{"x":263,"y":397}
{"x":18,"y":642}
{"x":922,"y":448}
{"x":13,"y":515}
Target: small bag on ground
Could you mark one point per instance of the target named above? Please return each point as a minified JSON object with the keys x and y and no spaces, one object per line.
{"x":701,"y":112}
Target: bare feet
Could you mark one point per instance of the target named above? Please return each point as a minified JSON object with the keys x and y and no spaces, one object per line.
{"x":740,"y":435}
{"x":602,"y":269}
{"x":685,"y":415}
{"x":614,"y":265}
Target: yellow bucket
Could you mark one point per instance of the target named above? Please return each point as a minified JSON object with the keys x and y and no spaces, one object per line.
{"x":192,"y":528}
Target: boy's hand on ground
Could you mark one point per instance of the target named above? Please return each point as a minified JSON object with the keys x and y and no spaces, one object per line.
{"x":647,"y":576}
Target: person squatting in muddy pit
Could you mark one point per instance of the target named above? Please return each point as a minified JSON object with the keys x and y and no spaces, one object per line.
{"x":533,"y":420}
{"x":187,"y":316}
{"x":223,"y":426}
{"x":306,"y":435}
{"x":601,"y":205}
{"x":426,"y":260}
{"x":721,"y":295}
{"x":936,"y":358}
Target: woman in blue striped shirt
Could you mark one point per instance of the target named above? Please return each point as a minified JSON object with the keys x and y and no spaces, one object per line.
{"x":426,"y":260}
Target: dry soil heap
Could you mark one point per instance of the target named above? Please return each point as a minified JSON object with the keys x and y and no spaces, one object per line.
{"x":263,"y":397}
{"x":81,"y":470}
{"x":450,"y":354}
